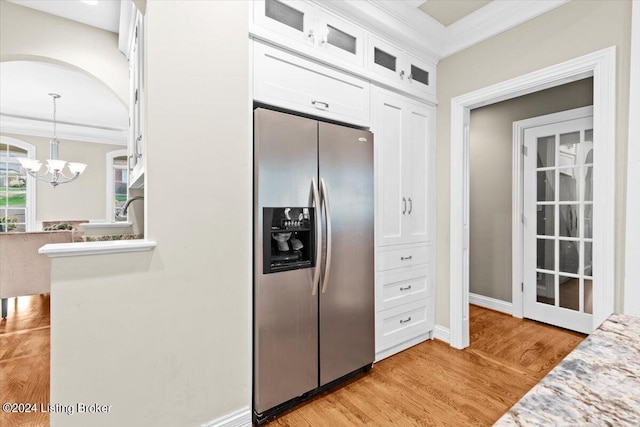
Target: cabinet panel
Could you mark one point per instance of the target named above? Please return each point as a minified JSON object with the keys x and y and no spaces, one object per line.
{"x":385,"y":59}
{"x":404,"y":287}
{"x":421,"y":76}
{"x":405,"y":257}
{"x":417,"y":173}
{"x":405,"y":322}
{"x":288,"y":81}
{"x":291,"y":18}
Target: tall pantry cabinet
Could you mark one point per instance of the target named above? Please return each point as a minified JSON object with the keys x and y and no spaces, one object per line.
{"x":405,"y":176}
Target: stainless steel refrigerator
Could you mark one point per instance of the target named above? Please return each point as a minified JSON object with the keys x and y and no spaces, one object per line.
{"x":313,"y":257}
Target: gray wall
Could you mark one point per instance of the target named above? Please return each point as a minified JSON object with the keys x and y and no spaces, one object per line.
{"x":569,"y":31}
{"x":491,"y":141}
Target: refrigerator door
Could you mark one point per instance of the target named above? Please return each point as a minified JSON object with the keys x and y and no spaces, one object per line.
{"x":347,"y":285}
{"x":285,"y":309}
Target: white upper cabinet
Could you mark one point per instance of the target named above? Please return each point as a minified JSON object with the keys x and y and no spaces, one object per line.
{"x":404,"y":174}
{"x":400,"y":69}
{"x":137,"y":159}
{"x":329,"y":36}
{"x":291,"y":18}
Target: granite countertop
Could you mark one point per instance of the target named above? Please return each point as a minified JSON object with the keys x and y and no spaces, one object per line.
{"x":597,"y":384}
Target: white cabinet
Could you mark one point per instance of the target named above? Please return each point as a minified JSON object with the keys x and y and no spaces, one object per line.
{"x":405,"y":152}
{"x":400,"y":69}
{"x":137,"y":160}
{"x":310,"y":27}
{"x":286,"y":80}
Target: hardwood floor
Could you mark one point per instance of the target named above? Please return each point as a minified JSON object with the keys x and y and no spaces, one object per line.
{"x":429,"y":384}
{"x":24,"y":359}
{"x":433,"y":384}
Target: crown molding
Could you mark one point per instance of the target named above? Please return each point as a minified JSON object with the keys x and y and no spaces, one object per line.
{"x":491,"y":20}
{"x":70,"y":131}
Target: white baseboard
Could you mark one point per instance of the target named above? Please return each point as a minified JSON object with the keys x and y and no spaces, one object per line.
{"x":441,"y":333}
{"x":491,"y":303}
{"x":239,"y":418}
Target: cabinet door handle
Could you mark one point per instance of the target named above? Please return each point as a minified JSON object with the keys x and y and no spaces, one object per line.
{"x":402,"y":75}
{"x":325,"y":40}
{"x":405,"y":288}
{"x":311,"y":36}
{"x":410,"y":77}
{"x":405,"y":258}
{"x":404,"y":206}
{"x":317,"y":103}
{"x":408,"y":319}
{"x":410,"y":205}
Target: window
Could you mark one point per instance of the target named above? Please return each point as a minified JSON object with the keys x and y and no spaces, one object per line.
{"x":16,"y":187}
{"x":117,"y":183}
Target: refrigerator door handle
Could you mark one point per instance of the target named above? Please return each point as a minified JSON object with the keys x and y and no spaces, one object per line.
{"x":315,"y":201}
{"x":327,"y":211}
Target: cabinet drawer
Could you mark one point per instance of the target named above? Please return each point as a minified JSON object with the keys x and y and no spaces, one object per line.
{"x":402,"y":288}
{"x":405,"y":322}
{"x":398,"y":258}
{"x":292,"y":82}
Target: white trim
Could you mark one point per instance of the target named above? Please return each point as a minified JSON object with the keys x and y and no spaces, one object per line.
{"x":600,"y":64}
{"x":441,"y":333}
{"x":517,"y":167}
{"x":30,"y":220}
{"x":102,"y":224}
{"x":69,"y":131}
{"x":491,"y":303}
{"x":390,"y":351}
{"x":239,"y":418}
{"x":57,"y":250}
{"x":491,"y":20}
{"x":632,"y":233}
{"x":126,"y":26}
{"x":110,"y":208}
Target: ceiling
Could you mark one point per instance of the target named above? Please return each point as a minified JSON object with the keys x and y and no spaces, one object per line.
{"x":104,"y":14}
{"x":449,"y":11}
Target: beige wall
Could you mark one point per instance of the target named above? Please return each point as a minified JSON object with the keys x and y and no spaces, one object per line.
{"x":164,"y":336}
{"x":569,"y":31}
{"x":83,"y":199}
{"x":28,"y":34}
{"x":491,"y":148}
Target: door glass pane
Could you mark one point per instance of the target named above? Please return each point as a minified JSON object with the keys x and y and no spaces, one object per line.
{"x":545,"y":288}
{"x":546,"y":254}
{"x":588,"y":221}
{"x":569,"y":292}
{"x":419,"y":75}
{"x":588,"y":183}
{"x":588,"y":296}
{"x":569,"y":184}
{"x":384,"y":59}
{"x":341,"y":40}
{"x":569,"y":256}
{"x":546,"y":224}
{"x":546,"y":186}
{"x":284,"y":14}
{"x":569,"y":220}
{"x":588,"y":258}
{"x":588,"y":135}
{"x":546,"y":151}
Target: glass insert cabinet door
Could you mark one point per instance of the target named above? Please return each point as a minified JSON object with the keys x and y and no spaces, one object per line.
{"x":558,"y":218}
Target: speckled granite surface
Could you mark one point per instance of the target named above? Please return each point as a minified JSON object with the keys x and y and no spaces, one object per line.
{"x":597,"y":384}
{"x":110,"y":237}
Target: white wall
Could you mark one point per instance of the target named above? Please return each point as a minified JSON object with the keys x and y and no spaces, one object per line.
{"x":164,"y":336}
{"x":569,"y":31}
{"x":491,"y":153}
{"x":83,"y":199}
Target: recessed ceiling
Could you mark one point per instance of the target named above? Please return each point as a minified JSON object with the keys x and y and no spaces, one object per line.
{"x":449,"y":11}
{"x":103,"y":14}
{"x":24,"y":88}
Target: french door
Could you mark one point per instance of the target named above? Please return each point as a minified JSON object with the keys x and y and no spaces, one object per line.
{"x":558,"y":224}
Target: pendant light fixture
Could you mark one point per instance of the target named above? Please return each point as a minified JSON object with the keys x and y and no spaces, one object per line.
{"x":53,"y":173}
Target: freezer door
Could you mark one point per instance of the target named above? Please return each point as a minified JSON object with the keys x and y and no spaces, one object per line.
{"x":285,"y":310}
{"x":347,"y":285}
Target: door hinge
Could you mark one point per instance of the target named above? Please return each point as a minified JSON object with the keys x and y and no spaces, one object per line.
{"x":523,"y":219}
{"x":522,"y":286}
{"x":524,"y":150}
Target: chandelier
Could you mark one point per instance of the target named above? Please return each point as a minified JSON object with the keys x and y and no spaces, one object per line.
{"x":53,"y":173}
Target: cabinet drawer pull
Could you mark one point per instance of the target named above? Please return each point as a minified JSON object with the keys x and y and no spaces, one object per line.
{"x":404,"y":258}
{"x":317,"y":103}
{"x":408,"y":319}
{"x":406,"y":288}
{"x":410,"y":205}
{"x":404,"y":205}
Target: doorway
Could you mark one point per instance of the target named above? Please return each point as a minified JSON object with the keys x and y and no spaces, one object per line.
{"x":600,"y":65}
{"x":557,"y":218}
